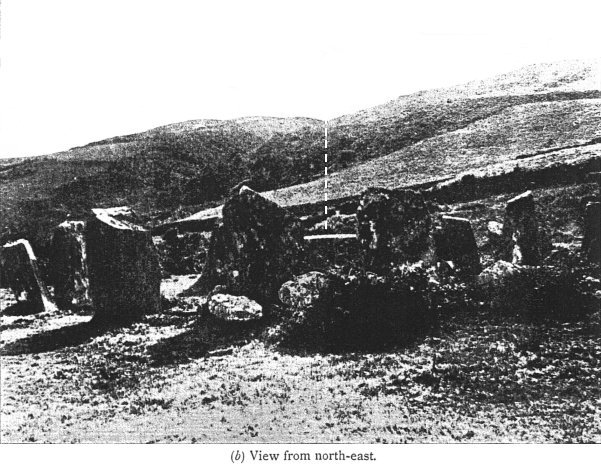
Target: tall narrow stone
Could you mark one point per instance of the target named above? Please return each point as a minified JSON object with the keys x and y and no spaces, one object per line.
{"x":21,"y":274}
{"x":123,"y":269}
{"x":69,"y":270}
{"x":591,"y":244}
{"x":521,"y":231}
{"x":454,"y":241}
{"x":392,"y":227}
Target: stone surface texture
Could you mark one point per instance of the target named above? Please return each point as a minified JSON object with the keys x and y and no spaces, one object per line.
{"x":123,"y":268}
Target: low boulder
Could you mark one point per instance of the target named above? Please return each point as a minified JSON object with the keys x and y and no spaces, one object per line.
{"x":454,"y":241}
{"x":506,"y":285}
{"x":500,"y":271}
{"x":392,"y":227}
{"x":21,"y":274}
{"x":123,"y":267}
{"x":538,"y":292}
{"x":304,"y":290}
{"x":69,"y":270}
{"x":234,"y":308}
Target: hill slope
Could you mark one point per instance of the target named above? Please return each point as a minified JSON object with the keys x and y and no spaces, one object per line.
{"x":194,"y":163}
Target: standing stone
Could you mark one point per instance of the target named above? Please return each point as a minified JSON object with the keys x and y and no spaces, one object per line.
{"x":21,"y":274}
{"x":392,"y":227}
{"x":521,"y":232}
{"x":69,"y":270}
{"x":454,"y":241}
{"x":256,"y":247}
{"x":123,"y":267}
{"x":591,"y":244}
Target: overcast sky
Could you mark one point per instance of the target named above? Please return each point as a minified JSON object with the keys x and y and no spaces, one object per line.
{"x":77,"y":71}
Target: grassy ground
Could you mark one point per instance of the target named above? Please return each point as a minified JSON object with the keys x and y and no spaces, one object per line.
{"x":174,"y":377}
{"x":156,"y":381}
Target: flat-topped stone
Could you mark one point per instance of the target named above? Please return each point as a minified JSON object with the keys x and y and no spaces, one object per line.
{"x":123,"y":266}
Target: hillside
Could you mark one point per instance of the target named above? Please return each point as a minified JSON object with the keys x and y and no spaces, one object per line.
{"x":524,"y":135}
{"x":177,"y":169}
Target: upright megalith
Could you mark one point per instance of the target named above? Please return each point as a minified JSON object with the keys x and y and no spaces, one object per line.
{"x":255,"y":248}
{"x":392,"y":227}
{"x":123,"y":268}
{"x":454,"y":241}
{"x":21,"y":274}
{"x":591,"y":243}
{"x":524,"y":242}
{"x":69,"y":269}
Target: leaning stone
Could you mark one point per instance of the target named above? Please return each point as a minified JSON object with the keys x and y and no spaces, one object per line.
{"x":304,"y":290}
{"x":591,"y":243}
{"x":393,"y":227}
{"x":234,"y":308}
{"x":257,"y":246}
{"x":521,"y":231}
{"x":123,"y":266}
{"x":454,"y":241}
{"x":69,"y":270}
{"x":21,"y":274}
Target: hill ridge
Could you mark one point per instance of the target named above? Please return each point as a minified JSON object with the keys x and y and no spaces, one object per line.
{"x":173,"y":170}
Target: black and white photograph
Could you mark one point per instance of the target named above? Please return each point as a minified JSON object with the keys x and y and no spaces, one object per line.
{"x":304,"y":228}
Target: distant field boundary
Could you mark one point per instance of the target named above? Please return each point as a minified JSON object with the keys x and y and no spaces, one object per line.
{"x":461,"y":188}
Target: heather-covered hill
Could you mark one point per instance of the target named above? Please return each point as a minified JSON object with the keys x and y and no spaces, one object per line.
{"x":173,"y":170}
{"x":524,"y":135}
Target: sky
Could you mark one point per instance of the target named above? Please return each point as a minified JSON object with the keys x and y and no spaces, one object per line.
{"x":74,"y":71}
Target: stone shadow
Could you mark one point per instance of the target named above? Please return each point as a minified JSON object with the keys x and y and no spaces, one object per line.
{"x":55,"y":339}
{"x":21,"y":308}
{"x":208,"y":336}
